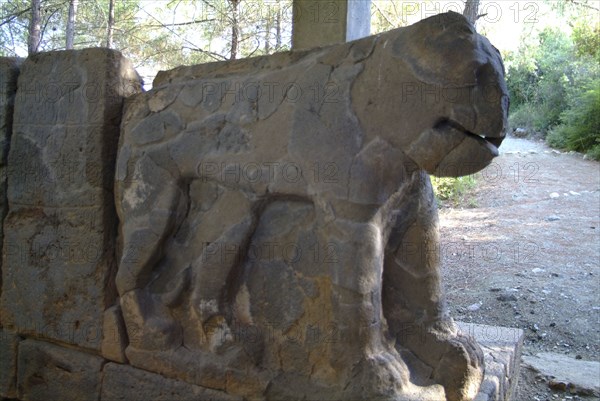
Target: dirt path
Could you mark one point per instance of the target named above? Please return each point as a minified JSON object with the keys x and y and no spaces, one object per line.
{"x":528,"y":254}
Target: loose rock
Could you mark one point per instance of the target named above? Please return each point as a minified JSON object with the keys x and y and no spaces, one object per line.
{"x":578,"y":376}
{"x":507,"y":297}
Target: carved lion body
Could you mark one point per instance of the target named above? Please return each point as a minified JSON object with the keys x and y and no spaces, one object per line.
{"x":278,"y":226}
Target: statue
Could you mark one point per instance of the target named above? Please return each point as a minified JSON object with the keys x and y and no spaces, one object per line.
{"x":278,"y":226}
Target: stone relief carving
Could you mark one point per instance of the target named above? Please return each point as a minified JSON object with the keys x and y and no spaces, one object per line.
{"x":278,"y":227}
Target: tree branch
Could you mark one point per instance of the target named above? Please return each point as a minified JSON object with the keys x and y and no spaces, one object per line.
{"x":199,"y":21}
{"x":383,"y":14}
{"x":216,"y":56}
{"x":582,"y":4}
{"x":171,"y":30}
{"x":15,"y":16}
{"x":43,"y":30}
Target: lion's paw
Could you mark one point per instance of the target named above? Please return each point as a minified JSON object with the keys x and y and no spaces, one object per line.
{"x":456,"y":359}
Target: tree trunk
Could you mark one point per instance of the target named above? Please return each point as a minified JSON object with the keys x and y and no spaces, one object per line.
{"x":235,"y":28}
{"x":111,"y":24}
{"x":471,"y":10}
{"x":278,"y":27}
{"x":268,"y":34}
{"x":33,"y":42}
{"x":71,"y":23}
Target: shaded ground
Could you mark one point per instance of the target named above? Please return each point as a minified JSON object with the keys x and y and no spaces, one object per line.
{"x":528,"y":254}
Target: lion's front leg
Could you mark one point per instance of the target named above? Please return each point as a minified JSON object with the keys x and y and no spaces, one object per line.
{"x":414,"y":304}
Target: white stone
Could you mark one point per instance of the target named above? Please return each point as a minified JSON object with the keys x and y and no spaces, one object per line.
{"x":579,"y":376}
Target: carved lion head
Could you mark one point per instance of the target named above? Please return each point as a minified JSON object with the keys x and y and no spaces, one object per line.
{"x":437,"y":87}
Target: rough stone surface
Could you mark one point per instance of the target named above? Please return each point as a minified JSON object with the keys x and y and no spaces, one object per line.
{"x":278,"y":226}
{"x":50,"y":372}
{"x":570,"y":374}
{"x":9,"y":71}
{"x":126,"y":383}
{"x":61,"y":226}
{"x":502,"y":353}
{"x":8,"y":366}
{"x":114,"y":335}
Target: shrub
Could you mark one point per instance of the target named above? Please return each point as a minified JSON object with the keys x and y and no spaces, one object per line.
{"x":594,"y":153}
{"x":579,"y":129}
{"x":538,"y":80}
{"x":556,"y":139}
{"x":452,"y":189}
{"x":533,"y":117}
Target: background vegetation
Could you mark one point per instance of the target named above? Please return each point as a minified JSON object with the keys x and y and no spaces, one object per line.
{"x":554,"y":80}
{"x":154,"y":34}
{"x":454,"y":192}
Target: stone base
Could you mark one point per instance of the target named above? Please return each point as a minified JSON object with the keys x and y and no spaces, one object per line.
{"x":46,"y":368}
{"x":502,"y":350}
{"x":9,"y":343}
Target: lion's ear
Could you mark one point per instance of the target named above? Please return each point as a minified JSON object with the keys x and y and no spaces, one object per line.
{"x":440,"y":50}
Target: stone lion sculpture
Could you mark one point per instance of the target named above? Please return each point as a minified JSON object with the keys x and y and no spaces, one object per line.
{"x":278,"y":226}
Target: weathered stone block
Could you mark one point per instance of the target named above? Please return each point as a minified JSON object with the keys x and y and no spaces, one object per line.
{"x":50,"y":372}
{"x":9,"y":71}
{"x":114,"y":335}
{"x":8,"y":365}
{"x":278,"y":224}
{"x":126,"y":383}
{"x":59,"y":233}
{"x":502,"y":349}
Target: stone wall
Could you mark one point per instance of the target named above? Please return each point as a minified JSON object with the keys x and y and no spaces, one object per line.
{"x":59,"y":129}
{"x":9,"y":70}
{"x":60,"y":230}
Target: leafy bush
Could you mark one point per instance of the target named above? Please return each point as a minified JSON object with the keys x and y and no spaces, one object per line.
{"x":586,"y":37}
{"x":594,"y":152}
{"x":554,"y":84}
{"x":532,"y":117}
{"x":538,"y":79}
{"x":452,"y":189}
{"x":580,"y":123}
{"x":556,"y":139}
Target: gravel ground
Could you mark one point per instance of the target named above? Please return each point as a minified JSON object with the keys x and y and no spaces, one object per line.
{"x":528,"y":254}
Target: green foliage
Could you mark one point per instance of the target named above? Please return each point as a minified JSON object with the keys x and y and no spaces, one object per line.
{"x":453,"y":190}
{"x":525,"y":116}
{"x":556,"y":139}
{"x":538,"y":80}
{"x":522,"y":82}
{"x":580,"y":123}
{"x":554,"y":85}
{"x":14,"y":20}
{"x":594,"y":153}
{"x":155,"y":34}
{"x":587,"y":39}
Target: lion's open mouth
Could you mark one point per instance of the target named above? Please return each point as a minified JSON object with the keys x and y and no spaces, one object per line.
{"x":493,"y":142}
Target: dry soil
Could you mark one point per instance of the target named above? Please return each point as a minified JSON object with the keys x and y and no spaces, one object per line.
{"x":525,"y":253}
